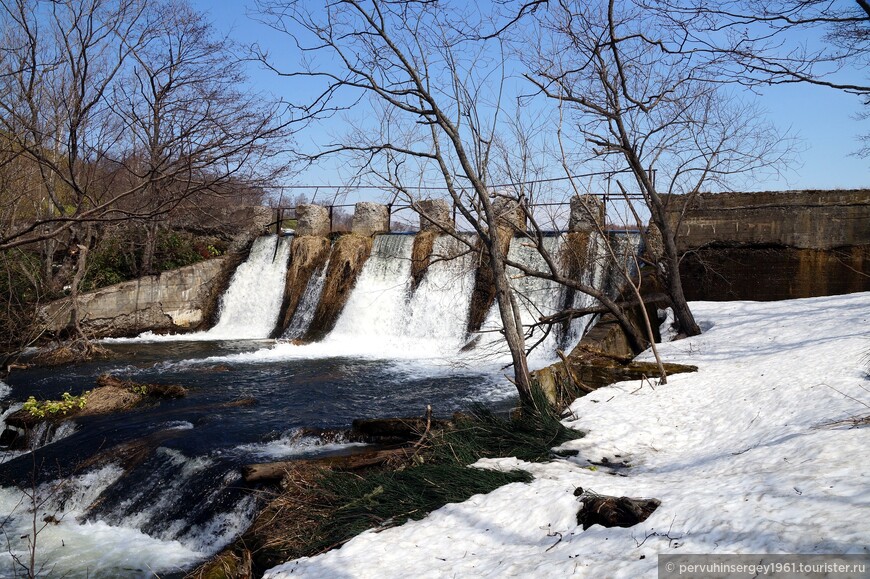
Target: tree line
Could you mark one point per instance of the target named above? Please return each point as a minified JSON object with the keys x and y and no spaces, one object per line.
{"x":118,"y":114}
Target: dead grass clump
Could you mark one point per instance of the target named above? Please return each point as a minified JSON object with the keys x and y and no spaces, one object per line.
{"x":72,"y":352}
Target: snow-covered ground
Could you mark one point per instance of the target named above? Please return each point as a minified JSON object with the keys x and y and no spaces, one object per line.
{"x":745,"y":456}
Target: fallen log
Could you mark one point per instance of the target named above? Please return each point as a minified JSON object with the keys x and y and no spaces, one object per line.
{"x":273,"y":471}
{"x":610,"y":511}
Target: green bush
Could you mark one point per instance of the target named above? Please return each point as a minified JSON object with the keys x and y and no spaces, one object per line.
{"x":118,"y":256}
{"x":175,"y":250}
{"x":112,"y":261}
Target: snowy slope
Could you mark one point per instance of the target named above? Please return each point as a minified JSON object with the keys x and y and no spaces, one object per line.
{"x":742,"y":455}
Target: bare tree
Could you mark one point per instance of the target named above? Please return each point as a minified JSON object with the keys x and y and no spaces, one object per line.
{"x":637,"y":103}
{"x":435,"y":90}
{"x":191,"y":127}
{"x":408,"y":58}
{"x":121,"y":111}
{"x":60,"y":61}
{"x":125,"y":108}
{"x":756,"y":44}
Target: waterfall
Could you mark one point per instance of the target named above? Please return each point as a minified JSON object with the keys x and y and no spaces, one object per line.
{"x":537,"y":298}
{"x":377,"y":304}
{"x":383,"y":317}
{"x":439,"y":307}
{"x":307,"y":305}
{"x":65,"y":547}
{"x":249,"y":309}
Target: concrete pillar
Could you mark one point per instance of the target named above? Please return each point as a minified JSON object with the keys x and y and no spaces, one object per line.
{"x":435,"y":214}
{"x":586,"y":211}
{"x":312,"y":220}
{"x":509,"y":213}
{"x":370,"y":218}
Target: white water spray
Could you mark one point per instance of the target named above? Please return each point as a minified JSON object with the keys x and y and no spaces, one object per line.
{"x":249,"y":309}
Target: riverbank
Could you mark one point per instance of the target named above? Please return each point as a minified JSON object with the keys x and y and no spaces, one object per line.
{"x":760,"y":451}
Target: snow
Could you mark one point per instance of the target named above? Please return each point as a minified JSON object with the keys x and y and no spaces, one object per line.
{"x":745,"y":456}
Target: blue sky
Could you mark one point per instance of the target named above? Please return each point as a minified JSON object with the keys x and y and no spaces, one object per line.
{"x":823,"y":119}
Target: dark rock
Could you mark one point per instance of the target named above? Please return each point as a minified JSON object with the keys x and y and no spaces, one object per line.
{"x":610,"y":511}
{"x":386,"y":430}
{"x":12,"y":439}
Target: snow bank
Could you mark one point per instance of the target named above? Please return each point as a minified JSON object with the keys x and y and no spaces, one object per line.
{"x":743,"y":455}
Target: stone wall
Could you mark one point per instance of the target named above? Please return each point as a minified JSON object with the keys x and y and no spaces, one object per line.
{"x":772,"y":246}
{"x":180,"y":299}
{"x":799,"y":219}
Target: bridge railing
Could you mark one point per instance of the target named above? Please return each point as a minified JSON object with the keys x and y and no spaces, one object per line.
{"x":549,"y":216}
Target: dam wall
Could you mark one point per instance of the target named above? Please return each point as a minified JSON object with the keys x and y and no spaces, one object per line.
{"x":775,"y":245}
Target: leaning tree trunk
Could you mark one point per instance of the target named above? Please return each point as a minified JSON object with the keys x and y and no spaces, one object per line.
{"x":682,"y":314}
{"x":513,"y":332}
{"x":81,"y":268}
{"x":508,"y":309}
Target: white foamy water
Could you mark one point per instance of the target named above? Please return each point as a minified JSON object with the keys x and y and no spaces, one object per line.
{"x":66,"y":547}
{"x":307,"y":304}
{"x":250,"y":307}
{"x":383,"y":318}
{"x":294,"y":443}
{"x":536,"y":297}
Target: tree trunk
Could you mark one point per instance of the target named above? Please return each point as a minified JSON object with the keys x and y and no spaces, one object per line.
{"x":510,"y":316}
{"x":682,"y":313}
{"x":671,"y":261}
{"x":81,"y":269}
{"x":149,"y":249}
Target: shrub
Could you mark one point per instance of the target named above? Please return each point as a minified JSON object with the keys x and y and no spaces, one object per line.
{"x":55,"y":408}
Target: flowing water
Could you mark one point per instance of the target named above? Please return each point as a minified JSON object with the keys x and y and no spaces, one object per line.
{"x":159,"y":488}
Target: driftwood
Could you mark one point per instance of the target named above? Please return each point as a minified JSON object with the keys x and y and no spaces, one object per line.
{"x":609,"y":511}
{"x":273,"y":471}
